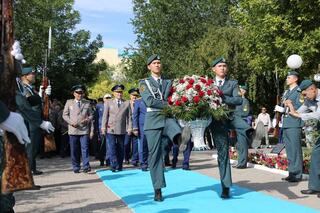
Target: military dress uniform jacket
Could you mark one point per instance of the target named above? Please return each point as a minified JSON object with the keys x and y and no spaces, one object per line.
{"x":117,"y":120}
{"x":73,"y":115}
{"x":154,"y":119}
{"x":290,"y":121}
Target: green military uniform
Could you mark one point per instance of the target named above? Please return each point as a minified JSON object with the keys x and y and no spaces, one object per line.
{"x":241,"y":112}
{"x":156,"y":125}
{"x":308,"y":111}
{"x":220,"y":130}
{"x":7,"y":201}
{"x":292,"y":135}
{"x":30,"y":107}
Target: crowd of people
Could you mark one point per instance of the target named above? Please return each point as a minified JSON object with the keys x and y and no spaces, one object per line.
{"x":135,"y":131}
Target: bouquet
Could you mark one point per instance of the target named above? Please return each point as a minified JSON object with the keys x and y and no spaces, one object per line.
{"x":195,"y":97}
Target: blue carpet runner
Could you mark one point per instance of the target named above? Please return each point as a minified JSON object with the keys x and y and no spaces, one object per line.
{"x":188,"y":192}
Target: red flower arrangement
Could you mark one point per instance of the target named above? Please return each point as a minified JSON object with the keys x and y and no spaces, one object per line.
{"x":195,"y":97}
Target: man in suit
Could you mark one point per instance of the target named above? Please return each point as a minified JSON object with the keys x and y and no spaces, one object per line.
{"x":116,"y":122}
{"x":292,"y":127}
{"x":78,"y":114}
{"x":29,"y":104}
{"x":242,"y":128}
{"x":131,"y":140}
{"x":14,"y":123}
{"x":138,"y":116}
{"x":154,"y":92}
{"x":220,"y":128}
{"x":308,"y":111}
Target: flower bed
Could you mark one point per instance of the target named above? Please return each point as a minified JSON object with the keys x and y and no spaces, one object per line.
{"x":272,"y":161}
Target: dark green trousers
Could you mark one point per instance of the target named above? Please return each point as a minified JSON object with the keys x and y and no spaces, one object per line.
{"x":242,"y":147}
{"x":292,"y":140}
{"x":7,"y":201}
{"x":33,"y":148}
{"x":155,"y":147}
{"x":314,"y":172}
{"x":220,"y":135}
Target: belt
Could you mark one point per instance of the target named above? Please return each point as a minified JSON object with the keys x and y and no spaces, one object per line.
{"x":149,"y":109}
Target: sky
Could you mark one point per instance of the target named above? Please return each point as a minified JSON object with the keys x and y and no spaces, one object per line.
{"x":110,"y":18}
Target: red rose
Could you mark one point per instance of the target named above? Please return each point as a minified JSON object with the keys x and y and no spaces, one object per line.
{"x":209,"y":92}
{"x":184,"y":99}
{"x":189,"y":86}
{"x":220,"y":93}
{"x":197,"y":87}
{"x":201,"y":93}
{"x":203,"y":80}
{"x":172,"y":90}
{"x":181,"y":81}
{"x":178,"y":103}
{"x":209,"y":82}
{"x":191,"y":81}
{"x":170,"y":100}
{"x":196,"y":99}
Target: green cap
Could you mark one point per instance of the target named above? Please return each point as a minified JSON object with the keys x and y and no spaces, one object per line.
{"x":293,"y":72}
{"x":26,"y":70}
{"x":244,"y":87}
{"x":305,"y":84}
{"x":218,"y":60}
{"x":152,"y":58}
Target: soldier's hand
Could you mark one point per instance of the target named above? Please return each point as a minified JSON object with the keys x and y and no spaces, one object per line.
{"x":279,"y":109}
{"x":48,"y":90}
{"x":129,"y":132}
{"x":47,"y":126}
{"x":15,"y":124}
{"x":40,"y":91}
{"x":135,"y":132}
{"x":288,"y":103}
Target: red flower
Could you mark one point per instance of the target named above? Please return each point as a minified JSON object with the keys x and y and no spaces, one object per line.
{"x":196,"y":99}
{"x":220,"y":93}
{"x":209,"y":92}
{"x":178,"y":103}
{"x":170,"y":100}
{"x":191,"y":81}
{"x":184,"y":99}
{"x":201,"y":93}
{"x":189,"y":86}
{"x":181,"y":81}
{"x":172,"y":90}
{"x":197,"y":87}
{"x":209,"y":82}
{"x":203,"y":80}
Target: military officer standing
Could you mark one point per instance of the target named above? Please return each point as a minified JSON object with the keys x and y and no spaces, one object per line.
{"x":29,"y":104}
{"x":292,"y":127}
{"x":243,"y":129}
{"x":220,"y":129}
{"x":78,"y":114}
{"x":154,"y":92}
{"x":310,"y":110}
{"x":116,"y":121}
{"x":11,"y":122}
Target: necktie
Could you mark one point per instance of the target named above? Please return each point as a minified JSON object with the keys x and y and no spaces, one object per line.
{"x":160,"y":85}
{"x":119,"y":103}
{"x":220,"y":83}
{"x":78,"y":103}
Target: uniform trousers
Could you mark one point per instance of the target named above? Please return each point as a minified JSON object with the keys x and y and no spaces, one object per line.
{"x":79,"y":144}
{"x":143,"y":150}
{"x":314,"y":172}
{"x":292,"y":140}
{"x":155,"y":159}
{"x":116,"y":150}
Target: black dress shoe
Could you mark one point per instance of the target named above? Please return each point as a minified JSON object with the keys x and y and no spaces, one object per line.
{"x":286,"y":178}
{"x":113,"y":170}
{"x":310,"y":192}
{"x":101,"y":162}
{"x":185,"y":168}
{"x":293,"y":179}
{"x":37,"y":172}
{"x":158,"y":195}
{"x":76,"y":171}
{"x":239,"y":166}
{"x":144,"y":169}
{"x":225,"y":193}
{"x":87,"y":170}
{"x":173,"y":165}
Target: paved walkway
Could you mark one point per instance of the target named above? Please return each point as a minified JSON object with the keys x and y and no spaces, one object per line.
{"x":63,"y":191}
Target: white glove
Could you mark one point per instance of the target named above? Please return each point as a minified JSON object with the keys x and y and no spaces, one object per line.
{"x":15,"y":124}
{"x":47,"y":126}
{"x":279,"y":109}
{"x":40,"y":91}
{"x":48,"y":90}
